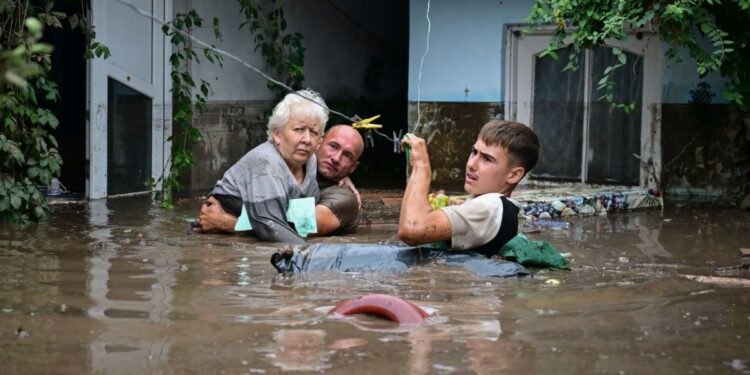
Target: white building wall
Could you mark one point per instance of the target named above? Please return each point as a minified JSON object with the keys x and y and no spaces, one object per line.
{"x":465,"y":52}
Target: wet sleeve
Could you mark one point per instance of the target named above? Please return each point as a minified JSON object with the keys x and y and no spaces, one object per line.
{"x":342,"y":202}
{"x":266,"y":198}
{"x":268,"y":219}
{"x":475,"y":222}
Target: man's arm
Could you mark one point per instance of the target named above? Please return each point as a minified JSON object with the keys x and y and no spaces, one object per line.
{"x":337,"y":210}
{"x":326,"y":220}
{"x":419,"y":223}
{"x":213,"y":218}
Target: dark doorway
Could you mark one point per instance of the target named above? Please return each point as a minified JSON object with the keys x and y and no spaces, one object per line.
{"x":128,"y":139}
{"x":69,"y":73}
{"x":385,"y":82}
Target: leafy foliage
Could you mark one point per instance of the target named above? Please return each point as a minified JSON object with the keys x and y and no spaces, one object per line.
{"x":702,"y":94}
{"x":281,"y":50}
{"x":27,"y":148}
{"x":588,"y":23}
{"x":715,"y":34}
{"x":187,"y":96}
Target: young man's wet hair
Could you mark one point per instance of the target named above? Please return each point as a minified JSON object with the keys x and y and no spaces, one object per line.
{"x":520,"y":142}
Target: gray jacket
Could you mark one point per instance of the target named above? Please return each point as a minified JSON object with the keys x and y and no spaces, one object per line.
{"x":264,"y":182}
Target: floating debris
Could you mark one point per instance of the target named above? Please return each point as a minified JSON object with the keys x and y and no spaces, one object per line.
{"x":22,"y":333}
{"x":552,"y":224}
{"x":727,"y":281}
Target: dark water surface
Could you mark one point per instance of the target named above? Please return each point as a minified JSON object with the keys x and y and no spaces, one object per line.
{"x":120,"y":287}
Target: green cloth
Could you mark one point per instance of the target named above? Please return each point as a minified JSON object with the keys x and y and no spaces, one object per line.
{"x":532,"y":253}
{"x":301,"y":212}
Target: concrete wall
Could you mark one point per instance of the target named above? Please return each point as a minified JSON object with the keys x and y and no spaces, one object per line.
{"x":706,"y":155}
{"x":341,"y":39}
{"x":354,"y":49}
{"x":230,"y":129}
{"x":465,"y":48}
{"x":461,"y":84}
{"x":451,"y":128}
{"x":680,"y":77}
{"x":466,"y":51}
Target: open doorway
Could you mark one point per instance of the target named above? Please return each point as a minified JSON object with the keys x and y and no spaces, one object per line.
{"x":69,"y":73}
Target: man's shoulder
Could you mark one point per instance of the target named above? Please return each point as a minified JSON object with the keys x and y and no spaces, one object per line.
{"x":338,"y":192}
{"x":488,"y":199}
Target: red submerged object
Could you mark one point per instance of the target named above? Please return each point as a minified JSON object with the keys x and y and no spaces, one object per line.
{"x":384,"y":305}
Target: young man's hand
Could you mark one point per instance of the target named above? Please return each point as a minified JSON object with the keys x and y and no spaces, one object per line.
{"x":418,"y":156}
{"x":213,"y":218}
{"x":418,"y":223}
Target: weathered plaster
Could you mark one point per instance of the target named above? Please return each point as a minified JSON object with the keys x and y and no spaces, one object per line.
{"x":450,"y":130}
{"x":706,"y":153}
{"x":230,"y":129}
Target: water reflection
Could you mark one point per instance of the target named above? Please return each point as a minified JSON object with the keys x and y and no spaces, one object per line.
{"x":119,"y":287}
{"x":129,"y":284}
{"x":300,"y":350}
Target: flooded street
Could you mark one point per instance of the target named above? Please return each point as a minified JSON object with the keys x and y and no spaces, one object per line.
{"x":121,"y":287}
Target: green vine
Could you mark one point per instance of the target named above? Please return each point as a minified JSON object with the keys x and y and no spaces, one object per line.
{"x":715,"y":34}
{"x":589,"y":23}
{"x":281,"y":50}
{"x":28,"y":150}
{"x":188,"y":96}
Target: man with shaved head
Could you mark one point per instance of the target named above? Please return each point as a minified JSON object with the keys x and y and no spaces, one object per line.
{"x":337,"y":210}
{"x":338,"y":156}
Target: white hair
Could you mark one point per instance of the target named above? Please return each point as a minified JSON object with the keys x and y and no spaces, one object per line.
{"x":303,"y":102}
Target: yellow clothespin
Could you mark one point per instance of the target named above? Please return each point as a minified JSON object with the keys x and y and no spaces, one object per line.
{"x":366,"y":123}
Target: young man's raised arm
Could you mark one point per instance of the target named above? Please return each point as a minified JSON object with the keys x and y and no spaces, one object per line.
{"x":419,"y":223}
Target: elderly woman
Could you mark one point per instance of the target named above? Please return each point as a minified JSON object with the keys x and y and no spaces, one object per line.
{"x":267,"y":177}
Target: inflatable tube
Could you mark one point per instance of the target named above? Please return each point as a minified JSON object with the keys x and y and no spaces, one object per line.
{"x":383,"y":305}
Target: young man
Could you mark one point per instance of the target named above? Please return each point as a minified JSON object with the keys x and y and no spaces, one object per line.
{"x":337,"y":211}
{"x":503,"y":153}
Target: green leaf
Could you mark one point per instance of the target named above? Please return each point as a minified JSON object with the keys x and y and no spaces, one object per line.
{"x":34,"y":27}
{"x":14,"y":79}
{"x":74,"y":21}
{"x":15,"y":201}
{"x":53,"y":121}
{"x":15,"y":152}
{"x":39,"y":212}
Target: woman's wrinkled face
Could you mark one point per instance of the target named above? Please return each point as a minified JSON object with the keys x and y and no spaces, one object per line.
{"x":298,"y":139}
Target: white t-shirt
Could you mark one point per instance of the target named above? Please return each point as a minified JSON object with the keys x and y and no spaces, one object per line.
{"x":477,"y":221}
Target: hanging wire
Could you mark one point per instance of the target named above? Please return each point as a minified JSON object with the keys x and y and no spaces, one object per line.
{"x":421,"y":63}
{"x":203,"y":44}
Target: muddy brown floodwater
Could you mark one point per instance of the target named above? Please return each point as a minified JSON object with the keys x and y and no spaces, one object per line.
{"x":120,"y":287}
